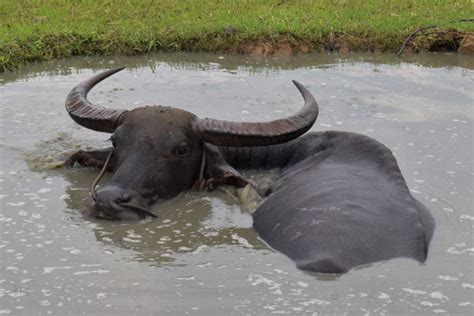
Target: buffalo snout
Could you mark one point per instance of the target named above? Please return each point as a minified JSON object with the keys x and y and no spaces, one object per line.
{"x":114,"y":202}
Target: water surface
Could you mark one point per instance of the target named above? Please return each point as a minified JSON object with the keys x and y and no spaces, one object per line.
{"x":201,"y":255}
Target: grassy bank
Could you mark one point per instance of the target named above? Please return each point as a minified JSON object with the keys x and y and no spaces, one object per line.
{"x":34,"y":30}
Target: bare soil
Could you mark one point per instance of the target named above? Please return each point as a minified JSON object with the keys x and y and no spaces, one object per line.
{"x":433,"y":40}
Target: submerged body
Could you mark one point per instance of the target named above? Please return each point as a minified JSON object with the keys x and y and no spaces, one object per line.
{"x":340,"y":200}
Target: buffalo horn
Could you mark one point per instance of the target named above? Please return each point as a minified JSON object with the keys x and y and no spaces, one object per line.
{"x":229,"y":133}
{"x":88,"y":115}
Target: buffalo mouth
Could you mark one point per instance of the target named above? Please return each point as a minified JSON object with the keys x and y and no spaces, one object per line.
{"x":115,"y":203}
{"x":120,"y":211}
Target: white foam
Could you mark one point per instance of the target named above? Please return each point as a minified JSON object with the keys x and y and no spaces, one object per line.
{"x":98,"y":271}
{"x":257,"y":279}
{"x":412,"y":291}
{"x":47,"y":270}
{"x":241,"y":240}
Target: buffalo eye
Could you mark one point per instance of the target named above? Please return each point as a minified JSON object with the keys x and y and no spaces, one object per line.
{"x":181,"y":151}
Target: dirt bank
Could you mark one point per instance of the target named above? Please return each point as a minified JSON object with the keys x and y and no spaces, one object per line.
{"x":434,"y":41}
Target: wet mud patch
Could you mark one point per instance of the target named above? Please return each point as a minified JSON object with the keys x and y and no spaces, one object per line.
{"x":281,"y":46}
{"x":467,"y":44}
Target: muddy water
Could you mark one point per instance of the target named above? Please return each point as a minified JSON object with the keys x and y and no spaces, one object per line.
{"x":201,"y":255}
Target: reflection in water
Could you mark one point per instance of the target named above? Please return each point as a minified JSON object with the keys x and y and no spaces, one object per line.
{"x":186,"y":224}
{"x":239,"y":64}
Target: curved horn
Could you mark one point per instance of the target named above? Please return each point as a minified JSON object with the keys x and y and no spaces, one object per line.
{"x":228,"y":133}
{"x":88,"y":115}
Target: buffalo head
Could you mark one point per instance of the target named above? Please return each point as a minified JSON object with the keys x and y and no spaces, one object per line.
{"x":159,"y":151}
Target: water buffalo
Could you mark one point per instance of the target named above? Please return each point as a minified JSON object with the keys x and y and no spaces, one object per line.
{"x":340,"y":199}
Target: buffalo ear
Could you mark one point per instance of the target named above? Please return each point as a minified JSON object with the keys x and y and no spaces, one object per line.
{"x":217,"y":171}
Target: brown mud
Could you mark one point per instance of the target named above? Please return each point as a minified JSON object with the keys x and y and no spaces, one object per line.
{"x":434,"y":40}
{"x":467,"y":44}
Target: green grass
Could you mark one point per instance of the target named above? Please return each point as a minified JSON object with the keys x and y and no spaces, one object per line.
{"x":35,"y":30}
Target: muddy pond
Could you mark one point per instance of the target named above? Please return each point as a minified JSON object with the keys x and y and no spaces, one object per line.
{"x":201,"y":255}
